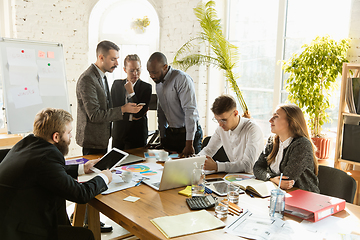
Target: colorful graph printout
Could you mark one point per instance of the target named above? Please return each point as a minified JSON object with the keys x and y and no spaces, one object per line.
{"x":237,"y":177}
{"x":142,"y":169}
{"x":148,"y":173}
{"x":135,"y":168}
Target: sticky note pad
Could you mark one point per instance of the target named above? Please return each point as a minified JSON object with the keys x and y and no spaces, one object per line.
{"x":131,"y":199}
{"x":186,"y":191}
{"x":41,"y":54}
{"x":50,"y":55}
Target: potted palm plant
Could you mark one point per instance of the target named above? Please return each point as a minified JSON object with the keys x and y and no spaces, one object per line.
{"x":220,"y":52}
{"x":311,"y":81}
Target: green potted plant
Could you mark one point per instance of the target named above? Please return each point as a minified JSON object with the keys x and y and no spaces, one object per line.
{"x":220,"y":52}
{"x":311,"y":81}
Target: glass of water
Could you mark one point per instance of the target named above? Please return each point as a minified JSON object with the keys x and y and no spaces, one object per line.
{"x":277,"y":203}
{"x":221,"y":208}
{"x":233,"y":193}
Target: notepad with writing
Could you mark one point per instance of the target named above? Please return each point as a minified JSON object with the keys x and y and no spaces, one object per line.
{"x":187,"y":223}
{"x":258,"y":187}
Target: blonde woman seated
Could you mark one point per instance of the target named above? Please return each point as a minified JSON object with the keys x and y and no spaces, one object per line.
{"x":290,"y":152}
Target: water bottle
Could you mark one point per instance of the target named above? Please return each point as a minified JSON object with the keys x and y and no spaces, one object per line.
{"x":198,"y":181}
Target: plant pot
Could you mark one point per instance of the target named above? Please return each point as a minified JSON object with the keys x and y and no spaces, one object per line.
{"x":323,"y":147}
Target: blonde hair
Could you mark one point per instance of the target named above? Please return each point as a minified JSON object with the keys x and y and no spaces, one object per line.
{"x":131,"y":57}
{"x":298,"y":127}
{"x":49,"y":121}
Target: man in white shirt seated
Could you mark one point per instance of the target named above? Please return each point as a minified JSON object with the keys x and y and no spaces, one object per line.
{"x":241,"y":138}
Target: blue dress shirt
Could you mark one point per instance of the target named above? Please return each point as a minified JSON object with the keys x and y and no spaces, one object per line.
{"x":177,"y":103}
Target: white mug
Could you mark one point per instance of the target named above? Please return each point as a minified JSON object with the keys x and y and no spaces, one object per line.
{"x":126,"y":176}
{"x":163,"y":155}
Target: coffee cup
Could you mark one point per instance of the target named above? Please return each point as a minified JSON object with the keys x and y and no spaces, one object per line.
{"x":163,"y":155}
{"x":126,"y":176}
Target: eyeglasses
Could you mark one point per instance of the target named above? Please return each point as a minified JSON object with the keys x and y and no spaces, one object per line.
{"x":135,"y":70}
{"x":222,"y":121}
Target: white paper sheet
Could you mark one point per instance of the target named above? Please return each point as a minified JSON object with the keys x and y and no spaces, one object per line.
{"x":50,"y":69}
{"x":329,"y":225}
{"x":51,"y":87}
{"x":24,"y":96}
{"x":22,"y":66}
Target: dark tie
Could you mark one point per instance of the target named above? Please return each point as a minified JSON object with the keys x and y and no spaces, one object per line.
{"x":107,"y":92}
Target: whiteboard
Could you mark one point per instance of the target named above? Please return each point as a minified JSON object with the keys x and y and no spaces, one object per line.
{"x":33,"y":77}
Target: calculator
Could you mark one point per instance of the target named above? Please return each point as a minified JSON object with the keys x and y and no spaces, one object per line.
{"x":203,"y":202}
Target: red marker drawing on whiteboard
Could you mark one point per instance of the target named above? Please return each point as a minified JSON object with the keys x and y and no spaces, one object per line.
{"x":26,"y":88}
{"x":22,"y":51}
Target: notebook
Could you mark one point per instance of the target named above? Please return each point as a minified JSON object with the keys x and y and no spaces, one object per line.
{"x":187,"y":223}
{"x":260,"y":188}
{"x":176,"y":173}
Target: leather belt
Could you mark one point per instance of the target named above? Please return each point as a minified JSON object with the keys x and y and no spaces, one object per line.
{"x":177,"y":130}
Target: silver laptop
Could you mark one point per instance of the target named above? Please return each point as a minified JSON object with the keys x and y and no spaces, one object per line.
{"x":176,"y":173}
{"x":131,"y":159}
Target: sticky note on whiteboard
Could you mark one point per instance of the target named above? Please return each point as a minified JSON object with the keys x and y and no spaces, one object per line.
{"x":50,"y":55}
{"x":41,"y":54}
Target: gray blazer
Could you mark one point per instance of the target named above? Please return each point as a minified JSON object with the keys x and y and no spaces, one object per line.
{"x":93,"y":127}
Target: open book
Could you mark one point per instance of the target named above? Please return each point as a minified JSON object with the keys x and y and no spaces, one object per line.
{"x":259,"y":187}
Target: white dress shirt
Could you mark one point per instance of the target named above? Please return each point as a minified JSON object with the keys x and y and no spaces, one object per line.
{"x":275,"y":165}
{"x":242,"y":145}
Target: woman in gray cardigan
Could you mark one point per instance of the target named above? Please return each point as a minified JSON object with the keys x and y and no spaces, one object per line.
{"x":290,"y":152}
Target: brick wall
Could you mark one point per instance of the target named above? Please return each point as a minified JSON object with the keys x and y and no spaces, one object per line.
{"x":66,"y":22}
{"x":354,"y":33}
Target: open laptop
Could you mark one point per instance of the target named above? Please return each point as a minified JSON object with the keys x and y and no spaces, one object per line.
{"x":176,"y":173}
{"x":131,"y":159}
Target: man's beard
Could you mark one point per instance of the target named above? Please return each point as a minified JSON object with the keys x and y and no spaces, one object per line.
{"x":63,"y":146}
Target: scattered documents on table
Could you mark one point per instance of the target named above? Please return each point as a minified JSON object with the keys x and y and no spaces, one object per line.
{"x":187,"y":223}
{"x":153,"y":153}
{"x":118,"y":184}
{"x":237,"y":177}
{"x":131,"y":199}
{"x":255,"y":226}
{"x":76,"y":161}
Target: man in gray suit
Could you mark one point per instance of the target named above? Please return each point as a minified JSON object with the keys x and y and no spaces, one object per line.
{"x":94,"y":111}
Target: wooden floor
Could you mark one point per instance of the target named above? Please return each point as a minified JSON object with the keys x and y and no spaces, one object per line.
{"x":117,"y":233}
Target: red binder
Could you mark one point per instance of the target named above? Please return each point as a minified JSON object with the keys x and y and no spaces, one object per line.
{"x":312,"y":206}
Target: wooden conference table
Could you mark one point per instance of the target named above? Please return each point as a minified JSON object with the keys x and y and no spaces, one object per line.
{"x":135,"y":216}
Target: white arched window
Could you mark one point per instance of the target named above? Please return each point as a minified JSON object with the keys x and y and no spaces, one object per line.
{"x":120,"y":21}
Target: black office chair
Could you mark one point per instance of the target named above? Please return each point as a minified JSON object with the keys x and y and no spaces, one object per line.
{"x":3,"y":153}
{"x":220,"y":155}
{"x":153,"y":135}
{"x":336,"y":183}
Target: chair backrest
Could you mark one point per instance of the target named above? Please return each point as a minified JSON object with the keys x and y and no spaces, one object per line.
{"x":220,"y":155}
{"x":336,"y":183}
{"x":3,"y":153}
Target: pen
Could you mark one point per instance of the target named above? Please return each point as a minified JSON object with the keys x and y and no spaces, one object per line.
{"x":138,"y":183}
